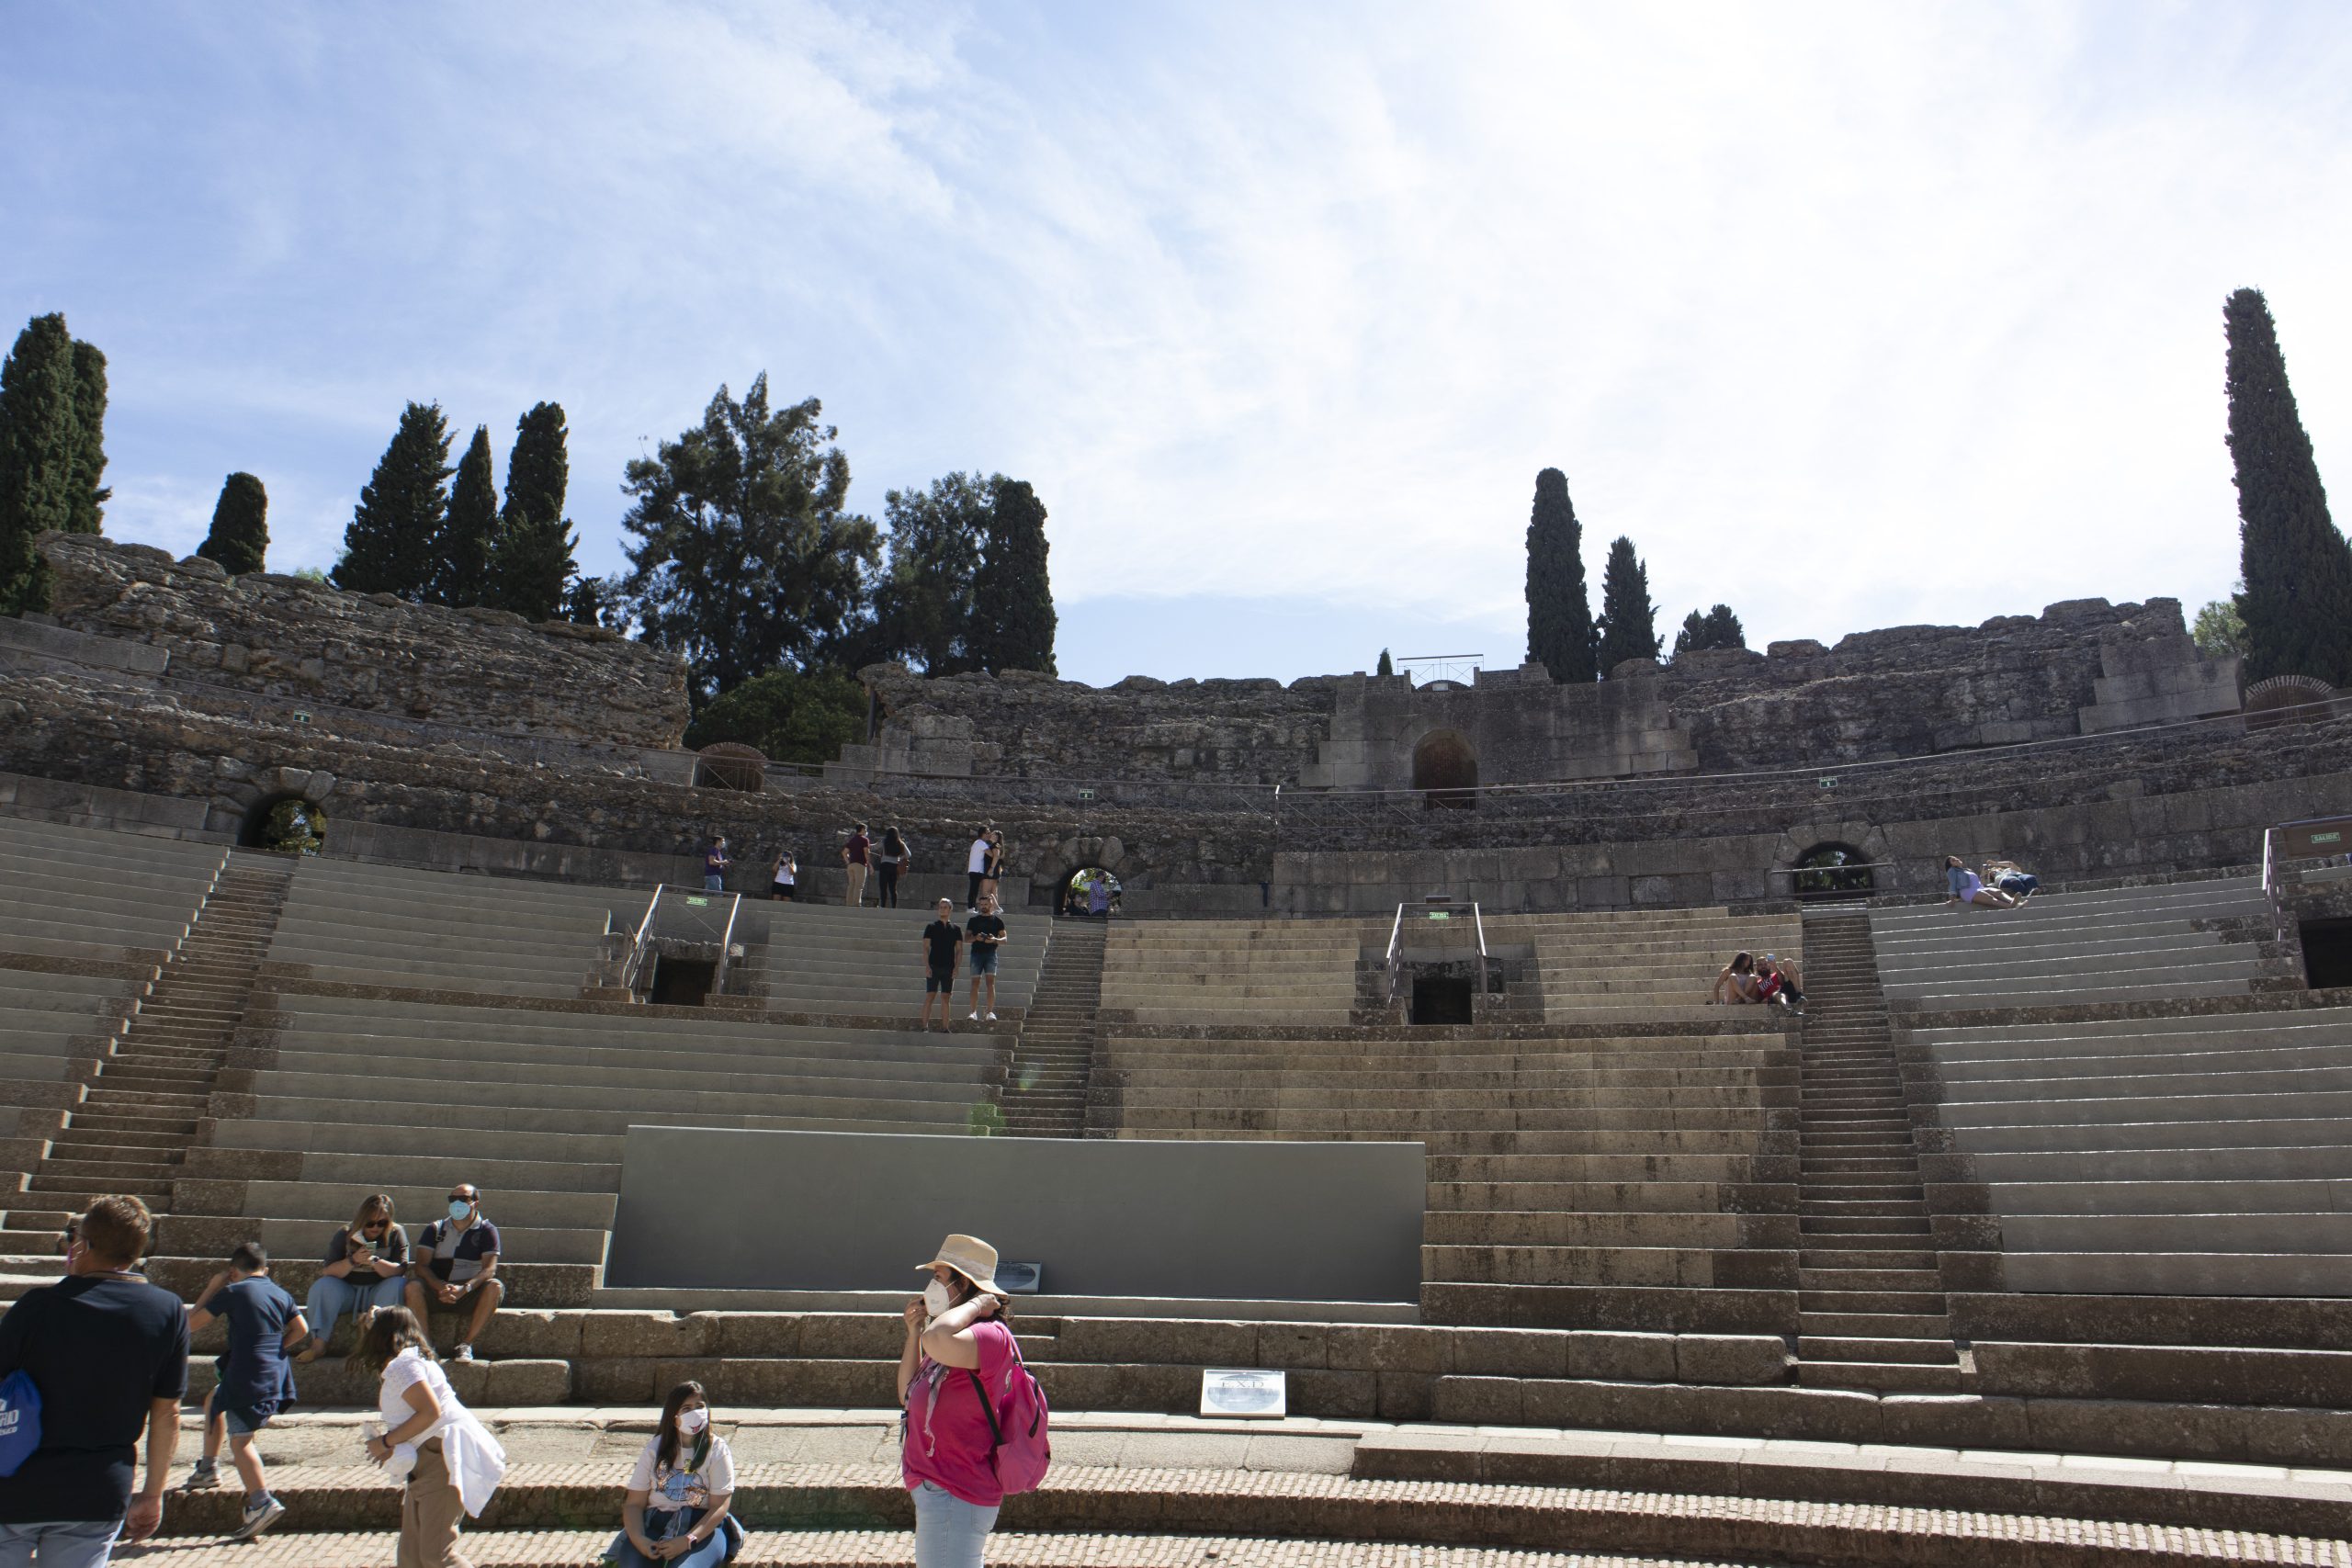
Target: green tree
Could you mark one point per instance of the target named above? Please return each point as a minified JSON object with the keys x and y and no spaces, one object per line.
{"x":89,"y":497}
{"x":2296,"y":567}
{"x":1387,"y":665}
{"x":41,"y":456}
{"x":2220,"y":630}
{"x":789,"y":716}
{"x":1628,"y":619}
{"x":532,"y":560}
{"x":461,"y":575}
{"x":1560,"y":635}
{"x":394,"y":543}
{"x":923,"y":602}
{"x":1718,"y":627}
{"x":240,"y":535}
{"x":746,"y":557}
{"x":1012,"y":600}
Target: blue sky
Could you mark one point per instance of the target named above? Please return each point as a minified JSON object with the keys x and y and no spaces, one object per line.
{"x":1850,"y":316}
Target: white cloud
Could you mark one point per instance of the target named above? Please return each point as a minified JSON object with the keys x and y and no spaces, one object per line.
{"x":1849,"y":315}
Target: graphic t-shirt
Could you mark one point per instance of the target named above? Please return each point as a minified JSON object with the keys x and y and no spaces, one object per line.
{"x":985,"y":926}
{"x":943,"y":936}
{"x":682,"y":1483}
{"x":947,"y":1432}
{"x":253,"y":1374}
{"x":100,"y":1348}
{"x":391,"y":1247}
{"x":456,"y":1255}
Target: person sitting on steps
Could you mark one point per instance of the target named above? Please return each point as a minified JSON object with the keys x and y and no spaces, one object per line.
{"x":457,"y":1258}
{"x":1964,"y":887}
{"x":365,"y":1268}
{"x":1736,"y":981}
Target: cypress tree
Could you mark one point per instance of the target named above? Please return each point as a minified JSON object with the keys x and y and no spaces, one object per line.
{"x":1628,"y":619}
{"x":394,"y":543}
{"x":2297,"y":570}
{"x":39,"y":456}
{"x":1693,"y":635}
{"x":531,"y":559}
{"x":1387,"y":665}
{"x":89,"y":439}
{"x":240,"y":535}
{"x":462,"y":574}
{"x":1559,"y":614}
{"x":1013,"y":602}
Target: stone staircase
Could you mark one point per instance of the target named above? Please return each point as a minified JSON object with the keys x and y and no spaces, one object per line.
{"x":1871,"y":1311}
{"x":1053,"y":1058}
{"x":132,"y":1130}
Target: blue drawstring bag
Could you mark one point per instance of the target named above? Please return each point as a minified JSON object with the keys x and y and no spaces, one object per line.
{"x":19,"y":1421}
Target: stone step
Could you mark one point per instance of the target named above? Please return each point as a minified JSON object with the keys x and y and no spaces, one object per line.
{"x":1875,"y":1326}
{"x":1929,"y":1304}
{"x":1875,"y":1349}
{"x":1882,"y":1377}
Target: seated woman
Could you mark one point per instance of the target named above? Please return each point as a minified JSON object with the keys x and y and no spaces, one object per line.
{"x":1964,"y":887}
{"x":367,"y":1268}
{"x":676,"y":1511}
{"x":1736,"y":982}
{"x":2012,"y":879}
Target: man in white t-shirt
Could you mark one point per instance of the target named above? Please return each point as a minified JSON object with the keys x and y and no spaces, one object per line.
{"x":975,"y":866}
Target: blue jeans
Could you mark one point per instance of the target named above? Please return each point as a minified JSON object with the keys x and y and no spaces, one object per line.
{"x":330,"y":1298}
{"x":949,"y":1532}
{"x":658,"y":1527}
{"x":81,"y":1543}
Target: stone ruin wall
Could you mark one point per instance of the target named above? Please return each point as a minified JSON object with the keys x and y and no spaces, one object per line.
{"x":303,"y":644}
{"x":2081,"y":667}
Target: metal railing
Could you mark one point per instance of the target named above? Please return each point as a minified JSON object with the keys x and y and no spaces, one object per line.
{"x":1396,"y":932}
{"x":640,"y":949}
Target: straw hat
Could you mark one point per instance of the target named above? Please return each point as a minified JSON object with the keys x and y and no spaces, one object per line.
{"x":970,"y":1257}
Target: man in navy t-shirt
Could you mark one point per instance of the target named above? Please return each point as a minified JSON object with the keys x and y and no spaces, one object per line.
{"x":109,"y":1352}
{"x":254,"y":1377}
{"x":455,"y":1259}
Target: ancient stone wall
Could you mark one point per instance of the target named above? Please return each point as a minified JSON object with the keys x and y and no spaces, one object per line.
{"x":306,"y":645}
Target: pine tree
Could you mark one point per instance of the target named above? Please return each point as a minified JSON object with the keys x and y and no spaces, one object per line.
{"x":1559,"y":614}
{"x":462,"y":574}
{"x":1693,"y":635}
{"x":240,"y":535}
{"x":1013,"y":601}
{"x":532,"y":558}
{"x":89,"y":439}
{"x":39,"y":457}
{"x":1628,"y":619}
{"x":393,"y":544}
{"x":1387,"y":665}
{"x":1723,"y":629}
{"x":2298,"y":569}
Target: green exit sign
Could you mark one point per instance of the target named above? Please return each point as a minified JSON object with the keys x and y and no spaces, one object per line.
{"x":1440,"y":914}
{"x":2328,"y":837}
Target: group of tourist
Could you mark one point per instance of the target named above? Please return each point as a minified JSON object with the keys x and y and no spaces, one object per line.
{"x":885,"y":860}
{"x":2002,"y":884}
{"x":944,"y":941}
{"x":1769,"y":980}
{"x":105,"y":1354}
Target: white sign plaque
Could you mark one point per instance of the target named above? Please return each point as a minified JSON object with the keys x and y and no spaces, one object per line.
{"x":1244,"y":1390}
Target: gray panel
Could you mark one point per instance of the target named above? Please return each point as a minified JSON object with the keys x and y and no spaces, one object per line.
{"x":729,"y":1209}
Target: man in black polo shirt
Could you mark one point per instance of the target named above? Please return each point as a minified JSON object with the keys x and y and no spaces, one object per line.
{"x":940,"y":941}
{"x":109,"y":1352}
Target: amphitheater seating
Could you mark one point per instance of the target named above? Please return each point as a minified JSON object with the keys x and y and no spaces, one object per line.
{"x":50,"y":1025}
{"x":338,"y":1095}
{"x":1642,"y":966}
{"x":83,"y":893}
{"x":382,"y":925}
{"x":832,"y":960}
{"x":2194,"y":1156}
{"x":2063,"y":949}
{"x":1254,"y":973}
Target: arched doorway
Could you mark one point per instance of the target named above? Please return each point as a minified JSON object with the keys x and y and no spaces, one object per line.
{"x":2288,"y":699}
{"x":1446,"y":770}
{"x":284,"y":824}
{"x":1089,"y":892}
{"x":1833,"y":871}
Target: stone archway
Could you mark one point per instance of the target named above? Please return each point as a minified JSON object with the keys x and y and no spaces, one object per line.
{"x":1446,"y":769}
{"x":241,"y":795}
{"x":2288,"y":699}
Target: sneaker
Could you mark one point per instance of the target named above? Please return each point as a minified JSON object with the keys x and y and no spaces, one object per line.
{"x":258,"y":1518}
{"x":203,"y":1478}
{"x":462,"y":1353}
{"x":992,"y":1017}
{"x":976,"y":1016}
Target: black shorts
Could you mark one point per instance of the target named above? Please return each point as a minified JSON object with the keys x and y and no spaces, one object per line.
{"x":939,"y":977}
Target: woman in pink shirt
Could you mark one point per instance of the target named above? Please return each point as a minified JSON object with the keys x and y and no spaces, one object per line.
{"x":955,"y":1328}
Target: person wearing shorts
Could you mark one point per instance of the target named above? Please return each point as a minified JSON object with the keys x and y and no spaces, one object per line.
{"x":254,"y":1380}
{"x":940,"y":941}
{"x":985,"y":932}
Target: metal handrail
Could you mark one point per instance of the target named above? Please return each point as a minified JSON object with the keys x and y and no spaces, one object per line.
{"x":637,"y":950}
{"x":726,"y":944}
{"x":1479,"y":921}
{"x":1395,"y":933}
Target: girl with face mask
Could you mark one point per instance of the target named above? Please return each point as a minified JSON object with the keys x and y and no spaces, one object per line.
{"x":956,"y":1327}
{"x":676,"y":1512}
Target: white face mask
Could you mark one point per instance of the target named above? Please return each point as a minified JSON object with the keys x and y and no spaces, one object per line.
{"x":692,"y":1421}
{"x":936,"y":1298}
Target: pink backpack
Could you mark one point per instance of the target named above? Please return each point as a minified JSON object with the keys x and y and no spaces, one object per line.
{"x":1023,"y":1451}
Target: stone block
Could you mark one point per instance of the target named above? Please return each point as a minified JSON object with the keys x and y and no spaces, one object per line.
{"x":1384,"y":1347}
{"x":656,"y":1335}
{"x":746,"y":1334}
{"x":532,"y":1332}
{"x":850,"y":1335}
{"x":1509,"y":1353}
{"x":1405,"y":1397}
{"x":1619,"y":1357}
{"x":1293,"y":1344}
{"x":1479,"y":1401}
{"x":615,"y":1380}
{"x":1743,"y":1359}
{"x":1334,"y":1393}
{"x":521,"y":1382}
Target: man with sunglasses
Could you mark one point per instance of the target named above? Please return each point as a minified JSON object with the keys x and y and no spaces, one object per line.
{"x":457,"y":1258}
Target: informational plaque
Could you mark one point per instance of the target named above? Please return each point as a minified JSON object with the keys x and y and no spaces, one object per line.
{"x":1244,"y":1390}
{"x":1021,"y":1279}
